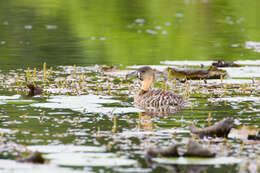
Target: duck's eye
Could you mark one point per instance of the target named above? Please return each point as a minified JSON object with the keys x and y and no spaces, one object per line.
{"x":139,"y":75}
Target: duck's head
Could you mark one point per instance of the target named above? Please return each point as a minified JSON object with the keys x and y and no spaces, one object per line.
{"x":146,"y":75}
{"x":142,"y":73}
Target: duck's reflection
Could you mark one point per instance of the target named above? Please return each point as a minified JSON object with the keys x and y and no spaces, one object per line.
{"x":162,"y":112}
{"x":145,"y":118}
{"x":145,"y":122}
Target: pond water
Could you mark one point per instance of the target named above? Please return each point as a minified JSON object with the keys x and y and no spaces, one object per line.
{"x":85,"y":121}
{"x":122,"y":32}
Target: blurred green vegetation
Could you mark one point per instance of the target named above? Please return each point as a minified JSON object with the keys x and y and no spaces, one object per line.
{"x":125,"y":32}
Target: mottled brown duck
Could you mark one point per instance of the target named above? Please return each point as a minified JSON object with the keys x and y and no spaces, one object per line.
{"x":34,"y":90}
{"x":155,"y":99}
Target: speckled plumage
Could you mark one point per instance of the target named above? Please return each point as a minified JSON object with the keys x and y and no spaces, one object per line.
{"x":157,"y":99}
{"x":154,"y":99}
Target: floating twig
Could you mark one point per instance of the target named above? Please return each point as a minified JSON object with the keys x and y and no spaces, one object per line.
{"x":219,"y":129}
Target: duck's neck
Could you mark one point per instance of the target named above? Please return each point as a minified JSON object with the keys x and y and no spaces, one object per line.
{"x":146,"y":84}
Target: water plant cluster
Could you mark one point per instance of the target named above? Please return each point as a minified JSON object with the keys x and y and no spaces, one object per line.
{"x":92,"y":107}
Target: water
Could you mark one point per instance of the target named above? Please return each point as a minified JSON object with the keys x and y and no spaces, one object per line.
{"x":119,"y":32}
{"x":86,"y":121}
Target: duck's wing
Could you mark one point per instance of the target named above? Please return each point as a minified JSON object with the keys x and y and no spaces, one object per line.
{"x":160,"y":98}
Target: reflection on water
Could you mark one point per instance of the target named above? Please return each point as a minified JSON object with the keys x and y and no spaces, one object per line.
{"x":121,"y":32}
{"x":163,"y":112}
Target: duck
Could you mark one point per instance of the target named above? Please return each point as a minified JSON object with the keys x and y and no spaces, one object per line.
{"x":34,"y":90}
{"x":149,"y":98}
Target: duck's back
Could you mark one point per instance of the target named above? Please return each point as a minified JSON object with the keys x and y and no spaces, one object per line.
{"x":157,"y":99}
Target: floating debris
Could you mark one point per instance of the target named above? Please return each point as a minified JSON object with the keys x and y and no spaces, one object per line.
{"x":221,"y":63}
{"x":254,"y":137}
{"x":34,"y":90}
{"x":196,"y":150}
{"x":170,"y":151}
{"x":34,"y":157}
{"x":193,"y":149}
{"x":219,"y":129}
{"x":188,"y":73}
{"x":106,"y":68}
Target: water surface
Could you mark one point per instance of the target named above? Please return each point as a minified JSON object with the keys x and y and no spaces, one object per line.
{"x":86,"y":121}
{"x":121,"y":32}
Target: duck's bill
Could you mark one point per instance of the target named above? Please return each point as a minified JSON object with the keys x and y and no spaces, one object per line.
{"x":132,"y":74}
